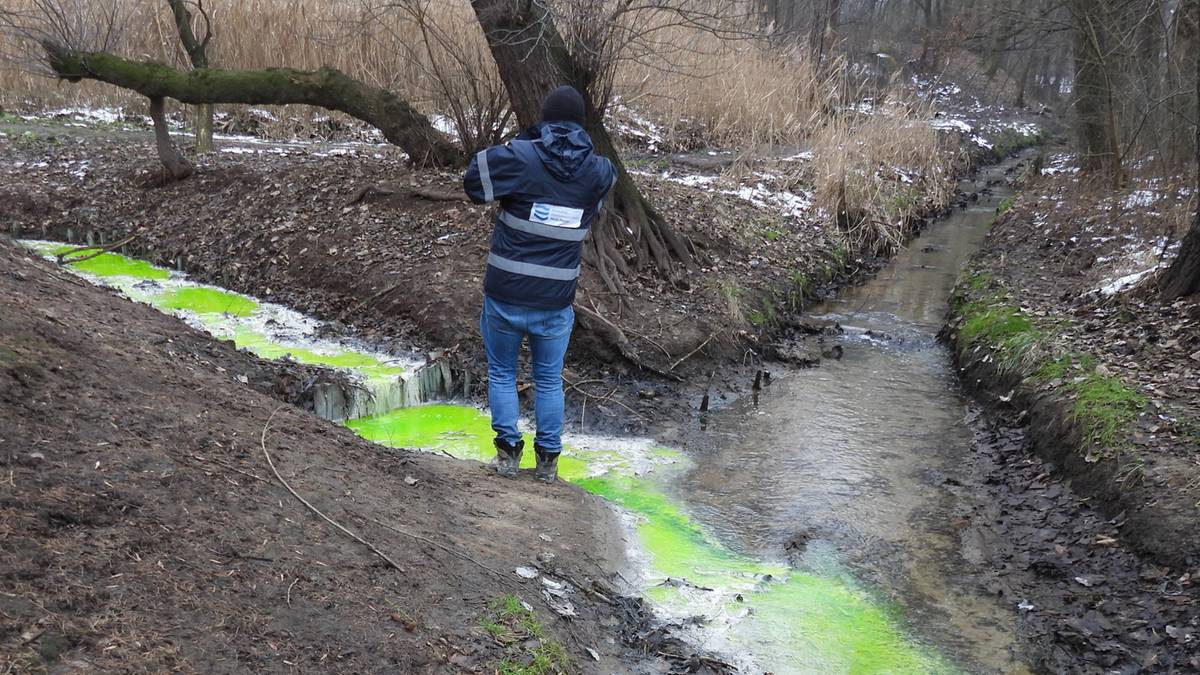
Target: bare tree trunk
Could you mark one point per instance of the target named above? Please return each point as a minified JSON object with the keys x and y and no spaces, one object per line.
{"x":533,"y":60}
{"x":1093,"y":89}
{"x":204,"y":127}
{"x":197,"y":51}
{"x":326,"y":88}
{"x":176,"y":165}
{"x":1183,"y":278}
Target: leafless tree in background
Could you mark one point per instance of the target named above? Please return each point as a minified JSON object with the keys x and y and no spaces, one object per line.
{"x":197,"y":52}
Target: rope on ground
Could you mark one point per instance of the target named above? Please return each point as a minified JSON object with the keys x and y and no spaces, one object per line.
{"x":355,"y":537}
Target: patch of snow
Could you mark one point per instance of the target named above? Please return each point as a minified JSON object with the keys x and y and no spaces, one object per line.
{"x":1128,"y":281}
{"x":445,"y":125}
{"x":950,"y":124}
{"x":1140,"y":198}
{"x":693,"y":180}
{"x":94,"y":115}
{"x":80,"y":169}
{"x":792,"y":205}
{"x":805,"y":156}
{"x":1060,"y":164}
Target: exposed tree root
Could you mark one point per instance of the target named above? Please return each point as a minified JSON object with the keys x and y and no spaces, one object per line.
{"x":615,"y":337}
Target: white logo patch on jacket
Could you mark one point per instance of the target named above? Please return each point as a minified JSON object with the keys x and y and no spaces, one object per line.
{"x":558,"y":216}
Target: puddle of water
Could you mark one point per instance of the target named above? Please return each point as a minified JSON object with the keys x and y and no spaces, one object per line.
{"x":846,"y":456}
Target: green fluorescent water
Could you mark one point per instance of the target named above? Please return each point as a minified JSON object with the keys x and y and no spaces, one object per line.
{"x":207,"y":301}
{"x":811,"y":622}
{"x":107,"y":264}
{"x":218,"y":310}
{"x":368,"y":366}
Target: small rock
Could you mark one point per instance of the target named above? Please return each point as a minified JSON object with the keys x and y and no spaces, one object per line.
{"x":526,"y":572}
{"x":409,"y":480}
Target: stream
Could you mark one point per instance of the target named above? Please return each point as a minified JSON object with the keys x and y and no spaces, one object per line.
{"x":805,"y":529}
{"x":847,"y":460}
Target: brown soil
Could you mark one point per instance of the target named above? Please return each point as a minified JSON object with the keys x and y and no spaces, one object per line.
{"x":141,"y":529}
{"x":1061,"y":242}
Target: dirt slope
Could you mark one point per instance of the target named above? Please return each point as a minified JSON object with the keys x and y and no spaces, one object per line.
{"x":141,"y":529}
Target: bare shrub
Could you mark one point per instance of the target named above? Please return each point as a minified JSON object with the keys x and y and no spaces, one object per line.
{"x":874,"y":174}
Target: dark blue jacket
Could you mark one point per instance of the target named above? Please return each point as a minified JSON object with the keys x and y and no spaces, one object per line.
{"x":551,"y":186}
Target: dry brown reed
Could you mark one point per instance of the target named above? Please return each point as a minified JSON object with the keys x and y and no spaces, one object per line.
{"x":734,"y":93}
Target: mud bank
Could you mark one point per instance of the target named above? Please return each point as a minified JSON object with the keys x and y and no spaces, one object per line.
{"x":144,"y":530}
{"x":1058,"y":319}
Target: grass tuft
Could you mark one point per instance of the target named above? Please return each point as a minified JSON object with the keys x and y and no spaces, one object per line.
{"x":529,"y":650}
{"x":1105,"y":408}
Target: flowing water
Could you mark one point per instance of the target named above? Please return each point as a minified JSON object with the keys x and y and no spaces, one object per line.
{"x":850,"y":456}
{"x":835,"y":462}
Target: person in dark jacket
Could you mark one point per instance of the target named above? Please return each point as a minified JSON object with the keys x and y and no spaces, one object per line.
{"x":551,"y":186}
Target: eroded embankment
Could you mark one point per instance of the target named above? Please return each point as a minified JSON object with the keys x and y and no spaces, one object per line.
{"x":144,"y":530}
{"x":1049,"y":320}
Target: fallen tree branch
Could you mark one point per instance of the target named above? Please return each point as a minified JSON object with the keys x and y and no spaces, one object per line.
{"x":99,"y":250}
{"x":284,"y":483}
{"x":386,"y":189}
{"x":607,"y":398}
{"x":329,"y":88}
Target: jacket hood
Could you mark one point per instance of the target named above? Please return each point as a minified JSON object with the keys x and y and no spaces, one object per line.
{"x":563,"y":147}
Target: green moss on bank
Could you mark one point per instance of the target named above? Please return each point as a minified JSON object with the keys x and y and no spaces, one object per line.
{"x":1104,"y":408}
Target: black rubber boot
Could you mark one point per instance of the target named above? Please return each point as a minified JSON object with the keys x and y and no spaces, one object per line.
{"x":547,"y":465}
{"x":508,"y":457}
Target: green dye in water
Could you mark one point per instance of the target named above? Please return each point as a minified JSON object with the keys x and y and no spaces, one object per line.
{"x":366,"y":365}
{"x":106,"y":264}
{"x":822,"y":623}
{"x":207,"y":301}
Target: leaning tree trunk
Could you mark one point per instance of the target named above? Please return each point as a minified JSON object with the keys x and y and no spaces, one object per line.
{"x":197,"y":51}
{"x":326,"y":88}
{"x":1183,"y":278}
{"x":533,"y":60}
{"x":176,"y":165}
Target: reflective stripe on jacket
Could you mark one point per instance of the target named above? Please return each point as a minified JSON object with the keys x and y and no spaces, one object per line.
{"x":551,"y":186}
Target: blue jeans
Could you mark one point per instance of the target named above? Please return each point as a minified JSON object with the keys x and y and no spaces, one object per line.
{"x":503,"y":327}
